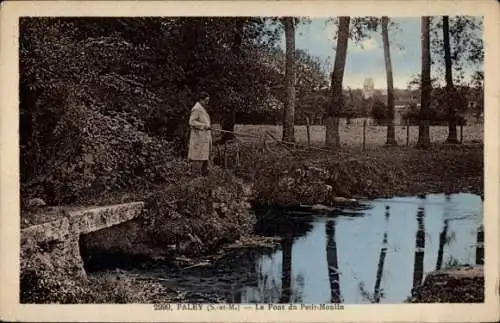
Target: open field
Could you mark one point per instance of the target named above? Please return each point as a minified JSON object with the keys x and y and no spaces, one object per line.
{"x":352,"y":136}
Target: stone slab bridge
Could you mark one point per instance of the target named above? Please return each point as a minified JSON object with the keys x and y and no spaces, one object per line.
{"x":60,"y":235}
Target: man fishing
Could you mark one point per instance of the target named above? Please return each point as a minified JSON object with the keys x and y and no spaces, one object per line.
{"x":200,"y":137}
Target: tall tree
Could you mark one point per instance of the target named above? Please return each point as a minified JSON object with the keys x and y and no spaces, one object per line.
{"x":456,"y":47}
{"x":426,"y":87}
{"x":391,"y":136}
{"x":450,"y":89}
{"x":229,"y":119}
{"x":289,"y":113}
{"x":357,"y":29}
{"x":466,"y":45}
{"x":336,"y":97}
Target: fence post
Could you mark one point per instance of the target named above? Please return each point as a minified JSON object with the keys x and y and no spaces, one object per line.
{"x":308,"y":132}
{"x":218,"y":160}
{"x":364,"y":134}
{"x":407,"y":132}
{"x":237,"y":162}
{"x":461,"y":132}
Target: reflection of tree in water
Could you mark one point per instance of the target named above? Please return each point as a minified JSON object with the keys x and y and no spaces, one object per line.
{"x":443,"y":239}
{"x":442,"y":242}
{"x":286,"y":271}
{"x":418,"y":267}
{"x":298,"y":295}
{"x":277,"y":221}
{"x":480,"y":246}
{"x":332,"y":261}
{"x":452,"y":262}
{"x":267,"y":289}
{"x":377,"y":293}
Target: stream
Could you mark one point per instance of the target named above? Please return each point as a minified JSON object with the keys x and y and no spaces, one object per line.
{"x":374,"y":254}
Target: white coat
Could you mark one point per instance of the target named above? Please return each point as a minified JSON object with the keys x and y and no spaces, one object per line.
{"x":200,"y":138}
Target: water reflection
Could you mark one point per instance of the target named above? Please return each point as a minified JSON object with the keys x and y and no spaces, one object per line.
{"x":298,"y":297}
{"x":390,"y":245}
{"x":380,"y":267}
{"x":480,"y":246}
{"x":442,"y":242}
{"x":332,"y":262}
{"x":286,"y":272}
{"x":418,"y":267}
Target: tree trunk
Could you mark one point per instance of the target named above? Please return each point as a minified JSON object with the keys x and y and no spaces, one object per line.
{"x":391,"y":135}
{"x":288,"y":118}
{"x":335,"y":104}
{"x":227,"y":123}
{"x":228,"y":119}
{"x":426,"y":87}
{"x":450,"y":89}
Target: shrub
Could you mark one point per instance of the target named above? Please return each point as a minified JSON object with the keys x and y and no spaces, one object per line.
{"x":91,"y":153}
{"x":379,"y":112}
{"x":203,"y":212}
{"x":293,"y":177}
{"x":51,"y":275}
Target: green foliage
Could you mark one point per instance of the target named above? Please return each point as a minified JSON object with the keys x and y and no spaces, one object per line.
{"x":90,"y":153}
{"x":360,"y":27}
{"x":437,"y":113}
{"x":283,"y":177}
{"x":379,"y":112}
{"x":280,"y":176}
{"x":97,"y":92}
{"x":466,"y":44}
{"x":305,"y":181}
{"x":203,"y":212}
{"x":47,"y":278}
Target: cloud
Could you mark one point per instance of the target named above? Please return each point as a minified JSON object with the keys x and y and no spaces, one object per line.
{"x":364,"y":46}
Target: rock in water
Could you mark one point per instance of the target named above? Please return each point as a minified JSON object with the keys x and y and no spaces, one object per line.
{"x":321,"y":207}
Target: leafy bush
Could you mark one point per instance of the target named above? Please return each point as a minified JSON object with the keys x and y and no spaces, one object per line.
{"x":320,"y":181}
{"x":287,"y":177}
{"x":95,"y":93}
{"x":379,"y":112}
{"x":54,"y":277}
{"x":203,"y":212}
{"x":91,"y":153}
{"x":436,"y":115}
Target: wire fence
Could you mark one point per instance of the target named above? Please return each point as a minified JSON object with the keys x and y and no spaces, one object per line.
{"x":363,"y":135}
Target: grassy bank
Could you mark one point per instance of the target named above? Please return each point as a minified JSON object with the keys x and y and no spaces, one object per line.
{"x":292,"y":177}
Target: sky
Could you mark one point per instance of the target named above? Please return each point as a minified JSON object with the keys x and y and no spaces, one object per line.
{"x":366,"y":59}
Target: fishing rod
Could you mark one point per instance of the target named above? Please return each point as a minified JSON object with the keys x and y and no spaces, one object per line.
{"x":275,"y":139}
